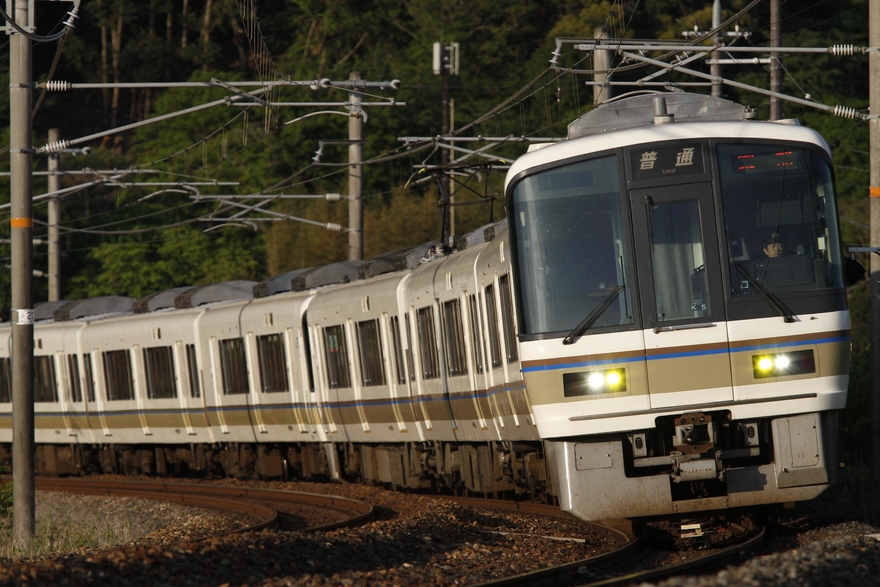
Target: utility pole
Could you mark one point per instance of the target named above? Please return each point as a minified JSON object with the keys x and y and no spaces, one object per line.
{"x":715,"y":67}
{"x":54,"y":221}
{"x":445,"y":64}
{"x":601,"y":63}
{"x":874,"y":211}
{"x":775,"y":59}
{"x":355,"y":175}
{"x":22,"y":319}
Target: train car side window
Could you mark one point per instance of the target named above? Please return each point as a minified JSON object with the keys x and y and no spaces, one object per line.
{"x":453,"y":338}
{"x":307,"y":349}
{"x":159,"y":364}
{"x":5,"y":385}
{"x":427,"y":343}
{"x":492,"y":323}
{"x":73,"y":378}
{"x":409,"y":351}
{"x":192,"y":369}
{"x":233,"y":365}
{"x":398,"y":349}
{"x":507,"y":317}
{"x":370,"y":353}
{"x":88,"y":379}
{"x":476,"y":332}
{"x":336,"y":354}
{"x":117,"y":375}
{"x":273,"y":363}
{"x":44,"y":380}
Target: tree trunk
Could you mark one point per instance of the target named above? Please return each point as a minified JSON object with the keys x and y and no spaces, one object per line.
{"x":184,"y":18}
{"x":105,"y":68}
{"x":206,"y":35}
{"x":116,"y":41}
{"x":169,"y":41}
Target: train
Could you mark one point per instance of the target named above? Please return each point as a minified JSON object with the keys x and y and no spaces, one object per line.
{"x":657,"y":328}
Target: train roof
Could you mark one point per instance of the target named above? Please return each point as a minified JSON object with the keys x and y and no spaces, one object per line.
{"x":655,"y":118}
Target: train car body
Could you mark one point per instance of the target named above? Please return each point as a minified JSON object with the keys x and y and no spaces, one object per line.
{"x":621,"y":342}
{"x":672,"y":365}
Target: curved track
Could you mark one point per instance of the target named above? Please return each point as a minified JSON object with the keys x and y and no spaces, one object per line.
{"x":253,"y":502}
{"x":629,"y":555}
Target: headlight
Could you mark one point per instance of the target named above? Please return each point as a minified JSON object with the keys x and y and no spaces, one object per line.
{"x":781,"y":364}
{"x":594,"y":382}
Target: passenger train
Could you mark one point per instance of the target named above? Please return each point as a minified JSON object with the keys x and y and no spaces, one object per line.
{"x":658,"y":328}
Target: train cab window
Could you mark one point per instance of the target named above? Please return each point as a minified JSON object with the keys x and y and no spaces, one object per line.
{"x":678,"y":261}
{"x":427,"y":343}
{"x":73,"y":380}
{"x":44,"y":380}
{"x":192,"y":369}
{"x":88,"y":379}
{"x":492,"y":323}
{"x":453,"y":338}
{"x":571,"y":248}
{"x":507,"y":318}
{"x":781,"y":221}
{"x":476,"y":332}
{"x":336,"y":355}
{"x":117,"y":375}
{"x":159,"y":366}
{"x":5,"y":381}
{"x":273,"y":363}
{"x":370,"y":353}
{"x":394,"y":327}
{"x":233,"y":366}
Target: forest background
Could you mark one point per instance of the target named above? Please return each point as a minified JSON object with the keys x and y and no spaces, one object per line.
{"x":134,"y":241}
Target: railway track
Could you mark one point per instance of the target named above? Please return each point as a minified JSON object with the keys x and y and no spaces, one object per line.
{"x":261,"y":505}
{"x":744,"y":534}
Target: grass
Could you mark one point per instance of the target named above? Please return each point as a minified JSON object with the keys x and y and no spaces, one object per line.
{"x":64,"y":526}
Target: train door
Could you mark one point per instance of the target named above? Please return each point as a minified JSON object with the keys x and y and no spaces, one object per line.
{"x":679,"y":275}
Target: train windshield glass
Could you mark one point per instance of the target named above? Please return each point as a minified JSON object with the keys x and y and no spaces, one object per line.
{"x":780,"y":216}
{"x":570,"y":247}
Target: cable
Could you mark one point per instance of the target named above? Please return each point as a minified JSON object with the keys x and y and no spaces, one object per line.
{"x":48,"y":78}
{"x":68,"y":25}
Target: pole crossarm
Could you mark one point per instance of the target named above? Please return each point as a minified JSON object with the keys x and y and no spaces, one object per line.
{"x":837,"y":50}
{"x":62,"y":86}
{"x":842,"y":111}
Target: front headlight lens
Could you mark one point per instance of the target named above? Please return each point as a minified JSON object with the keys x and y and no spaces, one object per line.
{"x":594,"y":382}
{"x":781,"y":364}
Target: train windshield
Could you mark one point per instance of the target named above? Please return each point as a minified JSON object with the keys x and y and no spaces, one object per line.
{"x":779,"y":211}
{"x":571,"y":248}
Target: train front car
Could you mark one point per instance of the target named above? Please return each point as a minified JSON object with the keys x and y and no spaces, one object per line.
{"x":684,"y":333}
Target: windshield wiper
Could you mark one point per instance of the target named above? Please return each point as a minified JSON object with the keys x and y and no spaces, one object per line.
{"x":762,"y":289}
{"x":592,"y":316}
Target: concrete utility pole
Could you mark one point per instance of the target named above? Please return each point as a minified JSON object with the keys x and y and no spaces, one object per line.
{"x":601,"y":62}
{"x":355,"y":176}
{"x":775,"y":59}
{"x":874,"y":211}
{"x":54,"y":221}
{"x":445,"y":64}
{"x":21,"y":231}
{"x":715,"y":68}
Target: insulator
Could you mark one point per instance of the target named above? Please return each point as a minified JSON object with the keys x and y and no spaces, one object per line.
{"x":844,"y":112}
{"x":333,"y":197}
{"x":751,"y":431}
{"x":55,"y":146}
{"x":57,"y":86}
{"x":842,"y":50}
{"x":639,"y":442}
{"x":333,"y":226}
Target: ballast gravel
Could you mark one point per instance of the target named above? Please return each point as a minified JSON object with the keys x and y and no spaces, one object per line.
{"x":413,"y":540}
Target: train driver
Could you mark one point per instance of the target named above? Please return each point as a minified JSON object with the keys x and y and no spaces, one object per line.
{"x":775,"y":245}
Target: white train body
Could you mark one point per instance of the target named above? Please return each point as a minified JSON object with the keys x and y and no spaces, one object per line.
{"x":616,"y":347}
